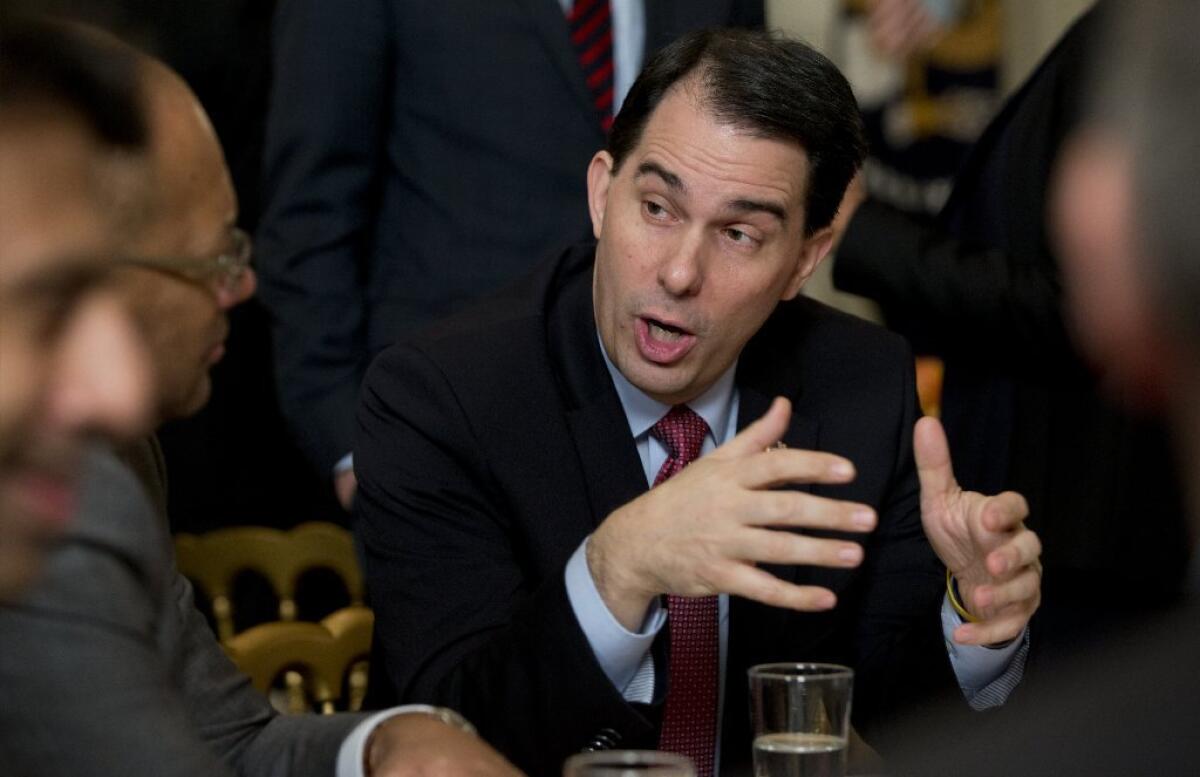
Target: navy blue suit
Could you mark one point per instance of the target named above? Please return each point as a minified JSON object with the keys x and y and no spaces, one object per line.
{"x":418,"y":155}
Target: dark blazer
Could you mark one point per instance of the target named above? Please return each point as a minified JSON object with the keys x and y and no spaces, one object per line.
{"x":1022,"y":408}
{"x":106,"y":666}
{"x":418,"y":154}
{"x":490,"y":447}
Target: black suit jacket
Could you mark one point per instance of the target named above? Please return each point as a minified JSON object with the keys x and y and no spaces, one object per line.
{"x":418,"y":154}
{"x":490,"y":447}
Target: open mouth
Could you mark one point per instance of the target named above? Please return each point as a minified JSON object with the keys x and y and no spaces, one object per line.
{"x":664,"y":332}
{"x":663,"y":342}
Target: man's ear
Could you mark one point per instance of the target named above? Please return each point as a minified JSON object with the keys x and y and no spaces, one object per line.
{"x":599,"y":178}
{"x":815,"y":249}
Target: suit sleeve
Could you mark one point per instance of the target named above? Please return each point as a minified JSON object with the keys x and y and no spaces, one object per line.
{"x":234,"y":720}
{"x":107,"y":668}
{"x":323,"y":151}
{"x":901,"y":657}
{"x":951,"y":297}
{"x":464,"y":618}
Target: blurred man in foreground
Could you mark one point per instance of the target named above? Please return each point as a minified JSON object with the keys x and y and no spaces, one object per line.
{"x":107,"y":667}
{"x":70,"y":363}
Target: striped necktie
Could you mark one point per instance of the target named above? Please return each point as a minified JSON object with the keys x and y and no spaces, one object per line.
{"x":590,"y":23}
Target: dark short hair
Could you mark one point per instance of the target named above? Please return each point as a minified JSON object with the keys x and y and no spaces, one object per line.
{"x":770,"y":85}
{"x":51,"y":63}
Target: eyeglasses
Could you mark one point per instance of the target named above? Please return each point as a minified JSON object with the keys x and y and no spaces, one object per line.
{"x":224,"y":271}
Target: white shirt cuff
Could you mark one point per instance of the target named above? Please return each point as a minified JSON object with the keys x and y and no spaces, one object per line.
{"x":344,"y":464}
{"x":620,"y":651}
{"x":978,"y":667}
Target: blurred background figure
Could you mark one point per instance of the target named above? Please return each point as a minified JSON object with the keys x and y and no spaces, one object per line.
{"x":1125,"y":221}
{"x":71,"y":364}
{"x":1021,"y":405}
{"x":927,"y":75}
{"x":418,"y":157}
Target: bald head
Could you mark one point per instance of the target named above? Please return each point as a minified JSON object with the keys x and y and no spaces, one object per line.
{"x":182,"y":223}
{"x":189,"y":202}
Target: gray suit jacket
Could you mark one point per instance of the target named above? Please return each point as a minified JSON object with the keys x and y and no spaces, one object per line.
{"x":107,"y":668}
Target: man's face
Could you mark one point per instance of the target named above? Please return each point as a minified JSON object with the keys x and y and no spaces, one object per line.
{"x":1103,"y":279}
{"x":71,"y":363}
{"x":184,"y":320}
{"x":701,"y":234}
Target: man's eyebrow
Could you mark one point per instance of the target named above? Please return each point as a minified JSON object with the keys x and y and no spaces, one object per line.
{"x":759,"y":206}
{"x":740,"y":205}
{"x":669,"y":178}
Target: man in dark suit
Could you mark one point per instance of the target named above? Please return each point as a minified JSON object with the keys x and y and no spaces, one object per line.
{"x":418,"y":156}
{"x":517,"y":562}
{"x":106,"y":666}
{"x":1124,"y":215}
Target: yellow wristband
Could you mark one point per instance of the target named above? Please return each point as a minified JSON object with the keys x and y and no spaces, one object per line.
{"x":952,"y":595}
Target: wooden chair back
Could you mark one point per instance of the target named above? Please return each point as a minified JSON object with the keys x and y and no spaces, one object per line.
{"x":317,"y":660}
{"x":213,"y":560}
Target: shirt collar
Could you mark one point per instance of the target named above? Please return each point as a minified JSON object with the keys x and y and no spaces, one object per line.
{"x":643,"y":412}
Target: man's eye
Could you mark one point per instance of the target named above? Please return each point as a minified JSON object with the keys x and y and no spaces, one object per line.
{"x":739,"y":237}
{"x":654,"y":210}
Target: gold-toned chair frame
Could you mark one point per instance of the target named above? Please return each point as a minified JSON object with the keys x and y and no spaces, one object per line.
{"x":213,"y":560}
{"x":316,"y":658}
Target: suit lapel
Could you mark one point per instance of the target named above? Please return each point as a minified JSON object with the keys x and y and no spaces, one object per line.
{"x":612,"y":472}
{"x":754,"y":402}
{"x":551,"y":25}
{"x":801,"y":434}
{"x":769,"y":368}
{"x":611,"y":467}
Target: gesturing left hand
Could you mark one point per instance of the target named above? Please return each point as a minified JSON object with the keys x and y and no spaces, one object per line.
{"x":982,"y":540}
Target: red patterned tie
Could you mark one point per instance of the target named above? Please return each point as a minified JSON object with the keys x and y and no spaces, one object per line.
{"x":690,"y":719}
{"x":591,"y":34}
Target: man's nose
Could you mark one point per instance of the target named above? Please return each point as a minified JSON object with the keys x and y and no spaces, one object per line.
{"x":682,"y":273}
{"x":233,"y":293}
{"x":100,"y":377}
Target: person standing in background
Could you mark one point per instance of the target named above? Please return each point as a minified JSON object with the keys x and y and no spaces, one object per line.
{"x":1023,"y":405}
{"x":419,"y":157}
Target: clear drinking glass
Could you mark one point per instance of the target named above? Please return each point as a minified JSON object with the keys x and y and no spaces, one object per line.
{"x":628,"y":763}
{"x":801,"y":716}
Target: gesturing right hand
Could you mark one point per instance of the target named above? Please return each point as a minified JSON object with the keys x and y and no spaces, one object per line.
{"x":703,"y":531}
